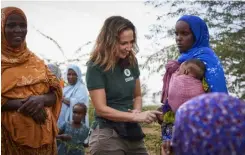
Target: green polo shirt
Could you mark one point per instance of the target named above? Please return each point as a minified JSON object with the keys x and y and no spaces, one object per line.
{"x":119,"y":84}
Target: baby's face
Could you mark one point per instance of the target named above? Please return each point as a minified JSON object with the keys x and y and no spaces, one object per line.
{"x":186,"y":69}
{"x":182,"y":69}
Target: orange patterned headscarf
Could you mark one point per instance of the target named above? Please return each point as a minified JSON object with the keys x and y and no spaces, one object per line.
{"x":11,"y":56}
{"x":23,"y":75}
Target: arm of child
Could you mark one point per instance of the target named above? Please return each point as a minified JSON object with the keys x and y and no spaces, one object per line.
{"x":62,"y":129}
{"x":64,"y":137}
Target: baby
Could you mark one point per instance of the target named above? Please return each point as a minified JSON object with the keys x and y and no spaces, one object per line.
{"x":186,"y":83}
{"x":192,"y":67}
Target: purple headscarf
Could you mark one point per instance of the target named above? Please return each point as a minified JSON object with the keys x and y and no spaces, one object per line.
{"x":212,"y":124}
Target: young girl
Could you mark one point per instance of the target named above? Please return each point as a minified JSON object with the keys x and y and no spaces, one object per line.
{"x":73,"y":135}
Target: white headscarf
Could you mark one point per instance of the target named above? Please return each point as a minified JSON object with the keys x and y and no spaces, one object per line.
{"x":77,"y":93}
{"x":55,"y":70}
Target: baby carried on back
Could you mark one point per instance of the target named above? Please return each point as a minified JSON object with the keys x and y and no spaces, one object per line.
{"x":185,"y":82}
{"x":181,"y":83}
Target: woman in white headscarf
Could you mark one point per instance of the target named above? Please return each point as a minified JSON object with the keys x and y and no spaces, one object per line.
{"x":75,"y":92}
{"x":55,"y":70}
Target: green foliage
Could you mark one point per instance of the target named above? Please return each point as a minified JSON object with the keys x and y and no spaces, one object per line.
{"x":226,"y":24}
{"x":150,"y":107}
{"x":153,"y":134}
{"x":70,"y":146}
{"x":169,"y":117}
{"x":153,"y":141}
{"x":91,"y":111}
{"x":156,"y":62}
{"x":231,"y":49}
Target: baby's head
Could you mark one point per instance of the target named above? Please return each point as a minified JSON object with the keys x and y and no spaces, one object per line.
{"x":193,"y":67}
{"x":79,"y":112}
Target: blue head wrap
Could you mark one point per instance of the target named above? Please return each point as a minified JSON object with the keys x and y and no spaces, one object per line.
{"x":214,"y":74}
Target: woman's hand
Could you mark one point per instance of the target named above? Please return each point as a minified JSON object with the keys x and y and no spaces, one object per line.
{"x":146,"y":116}
{"x":40,"y":117}
{"x":32,"y":105}
{"x":159,"y":119}
{"x":12,"y":105}
{"x":66,"y":101}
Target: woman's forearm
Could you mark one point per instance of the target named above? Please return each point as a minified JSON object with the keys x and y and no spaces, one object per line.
{"x":138,"y":103}
{"x":49,"y":99}
{"x":98,"y":97}
{"x":115,"y":115}
{"x":11,"y":105}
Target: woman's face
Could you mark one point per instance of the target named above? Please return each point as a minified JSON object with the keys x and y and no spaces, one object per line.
{"x":184,"y":37}
{"x":72,"y":77}
{"x":15,"y":30}
{"x":126,"y":41}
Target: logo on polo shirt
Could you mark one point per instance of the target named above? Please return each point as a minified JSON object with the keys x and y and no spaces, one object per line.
{"x":127,"y":72}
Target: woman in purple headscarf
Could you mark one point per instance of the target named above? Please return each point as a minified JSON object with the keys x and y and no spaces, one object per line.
{"x":210,"y":124}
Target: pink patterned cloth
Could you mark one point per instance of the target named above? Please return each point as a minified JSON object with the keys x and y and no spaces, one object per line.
{"x":171,"y":67}
{"x":182,"y":88}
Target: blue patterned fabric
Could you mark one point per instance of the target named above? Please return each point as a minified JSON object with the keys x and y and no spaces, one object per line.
{"x":167,"y":131}
{"x":75,"y":145}
{"x":214,"y":74}
{"x":210,"y":124}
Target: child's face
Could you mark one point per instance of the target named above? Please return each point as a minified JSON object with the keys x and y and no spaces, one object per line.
{"x":182,"y":69}
{"x":183,"y":36}
{"x":78,"y":114}
{"x":185,"y":69}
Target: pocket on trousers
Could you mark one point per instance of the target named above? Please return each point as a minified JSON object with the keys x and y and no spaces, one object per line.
{"x":100,"y":140}
{"x":100,"y":135}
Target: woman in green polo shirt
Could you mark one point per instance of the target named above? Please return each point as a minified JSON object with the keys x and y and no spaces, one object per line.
{"x":114,"y":86}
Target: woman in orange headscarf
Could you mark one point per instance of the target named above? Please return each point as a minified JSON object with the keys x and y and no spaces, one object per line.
{"x":30,"y":94}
